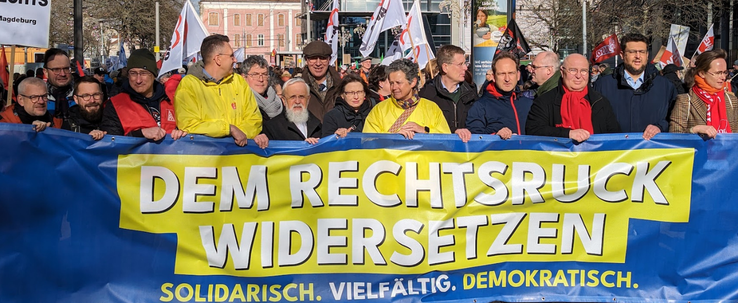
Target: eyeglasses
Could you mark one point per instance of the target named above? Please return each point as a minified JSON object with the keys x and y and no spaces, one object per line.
{"x":139,"y":74}
{"x":36,"y":98}
{"x":574,"y":71}
{"x":534,"y":67}
{"x":719,"y":74}
{"x":230,"y":55}
{"x":636,"y":51}
{"x":86,"y":97}
{"x":460,"y":64}
{"x":259,"y":75}
{"x":354,"y":94}
{"x":313,"y":59}
{"x":59,"y":70}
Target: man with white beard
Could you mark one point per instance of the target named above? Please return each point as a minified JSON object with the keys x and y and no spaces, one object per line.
{"x":296,"y":122}
{"x":85,"y":117}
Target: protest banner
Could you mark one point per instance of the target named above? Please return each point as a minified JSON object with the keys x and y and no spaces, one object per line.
{"x":367,"y":218}
{"x":25,"y":23}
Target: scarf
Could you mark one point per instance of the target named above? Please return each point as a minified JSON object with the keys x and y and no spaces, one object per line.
{"x":714,"y":98}
{"x":576,"y":112}
{"x":409,"y":106}
{"x":63,"y":98}
{"x":270,"y":104}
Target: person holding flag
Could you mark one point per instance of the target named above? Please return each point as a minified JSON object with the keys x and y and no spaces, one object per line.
{"x":639,"y":95}
{"x":707,"y":108}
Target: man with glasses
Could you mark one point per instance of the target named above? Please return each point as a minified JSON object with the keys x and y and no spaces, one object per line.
{"x":639,"y":95}
{"x":572,"y":110}
{"x":501,"y":110}
{"x":449,"y":90}
{"x":213,"y":101}
{"x":322,"y":78}
{"x":545,"y":72}
{"x":32,"y":109}
{"x":296,"y":122}
{"x":142,"y":108}
{"x":58,"y":72}
{"x":86,"y":116}
{"x":256,"y":72}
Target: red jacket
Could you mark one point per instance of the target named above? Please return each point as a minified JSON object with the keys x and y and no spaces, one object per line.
{"x":133,"y":116}
{"x":9,"y":116}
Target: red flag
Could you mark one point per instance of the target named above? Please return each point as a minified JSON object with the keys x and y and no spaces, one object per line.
{"x":707,"y":42}
{"x":80,"y":70}
{"x":607,"y":49}
{"x":4,"y":73}
{"x":671,"y":54}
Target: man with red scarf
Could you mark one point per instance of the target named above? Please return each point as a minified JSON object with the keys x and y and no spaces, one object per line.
{"x":572,"y":110}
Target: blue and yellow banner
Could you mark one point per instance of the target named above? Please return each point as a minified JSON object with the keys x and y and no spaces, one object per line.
{"x":368,"y":218}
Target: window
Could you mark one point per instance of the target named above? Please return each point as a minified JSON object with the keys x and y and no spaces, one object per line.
{"x":260,"y":20}
{"x":237,"y":40}
{"x":280,"y":38}
{"x":298,"y":22}
{"x":298,"y":39}
{"x":248,"y":40}
{"x":260,"y":40}
{"x":236,"y":20}
{"x":248,"y":19}
{"x":213,"y":19}
{"x":280,"y":19}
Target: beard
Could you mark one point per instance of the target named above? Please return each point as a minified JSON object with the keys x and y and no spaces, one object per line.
{"x":297,"y":116}
{"x":91,"y":116}
{"x":633,"y":71}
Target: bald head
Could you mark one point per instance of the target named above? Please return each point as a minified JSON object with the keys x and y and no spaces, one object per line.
{"x":575,"y":72}
{"x":545,"y":64}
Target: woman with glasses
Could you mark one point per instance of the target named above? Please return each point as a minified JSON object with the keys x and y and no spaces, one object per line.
{"x":708,"y":108}
{"x":351,"y":108}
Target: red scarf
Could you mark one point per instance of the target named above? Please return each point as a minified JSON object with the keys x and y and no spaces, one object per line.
{"x":576,"y":112}
{"x":716,"y":114}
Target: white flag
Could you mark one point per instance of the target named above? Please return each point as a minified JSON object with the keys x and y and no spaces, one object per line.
{"x":389,"y":13}
{"x":186,"y":40}
{"x":331,"y":32}
{"x":239,"y":54}
{"x":708,"y":42}
{"x":413,"y":38}
{"x":671,"y":54}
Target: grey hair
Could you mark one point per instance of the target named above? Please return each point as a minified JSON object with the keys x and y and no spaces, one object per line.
{"x":30,"y":81}
{"x":406,"y":66}
{"x":296,"y":81}
{"x":253,"y":60}
{"x":551,"y":58}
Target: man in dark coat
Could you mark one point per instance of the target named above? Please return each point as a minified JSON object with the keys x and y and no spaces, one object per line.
{"x":640,"y":97}
{"x":321,"y":78}
{"x":572,"y":110}
{"x":86,"y":116}
{"x":449,"y":90}
{"x":670,"y":72}
{"x":296,"y":122}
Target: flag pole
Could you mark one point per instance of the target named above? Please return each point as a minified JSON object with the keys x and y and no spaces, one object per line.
{"x":10,"y":75}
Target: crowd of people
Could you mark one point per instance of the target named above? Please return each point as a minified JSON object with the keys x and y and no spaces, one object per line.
{"x":219,"y":97}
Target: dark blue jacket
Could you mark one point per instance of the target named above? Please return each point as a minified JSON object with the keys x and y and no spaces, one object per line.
{"x":490,"y":114}
{"x":635,"y":109}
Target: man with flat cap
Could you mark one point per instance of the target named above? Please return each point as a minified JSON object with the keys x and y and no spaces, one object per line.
{"x":322,"y":78}
{"x":366,"y":66}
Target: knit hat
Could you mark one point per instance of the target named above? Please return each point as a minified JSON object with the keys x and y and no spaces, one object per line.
{"x":143,"y":58}
{"x":317,"y":49}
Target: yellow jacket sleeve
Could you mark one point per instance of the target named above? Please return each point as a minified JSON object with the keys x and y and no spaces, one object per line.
{"x":373,"y":122}
{"x":189,"y":110}
{"x":251,"y":119}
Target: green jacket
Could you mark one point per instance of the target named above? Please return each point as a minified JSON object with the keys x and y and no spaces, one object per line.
{"x":550,"y":84}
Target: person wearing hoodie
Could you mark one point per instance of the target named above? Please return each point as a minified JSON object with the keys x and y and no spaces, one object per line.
{"x":142,"y":108}
{"x":213,"y":101}
{"x":640,"y":97}
{"x":501,"y":110}
{"x":352,"y":108}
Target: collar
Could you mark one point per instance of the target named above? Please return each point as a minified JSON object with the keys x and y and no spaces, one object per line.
{"x":209,"y":77}
{"x":456,"y":89}
{"x":634,"y":83}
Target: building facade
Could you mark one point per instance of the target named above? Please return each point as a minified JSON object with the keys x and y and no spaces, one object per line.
{"x":259,"y":27}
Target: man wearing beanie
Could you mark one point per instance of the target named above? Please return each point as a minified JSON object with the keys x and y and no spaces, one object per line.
{"x":213,"y":101}
{"x":142,"y":108}
{"x":322,"y":79}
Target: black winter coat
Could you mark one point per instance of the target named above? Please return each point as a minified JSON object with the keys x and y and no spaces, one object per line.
{"x":343,"y":116}
{"x":455,"y":113}
{"x":279,"y":128}
{"x":545,"y":114}
{"x":76,"y":123}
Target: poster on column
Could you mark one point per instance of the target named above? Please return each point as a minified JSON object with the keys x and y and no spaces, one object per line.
{"x":25,"y":22}
{"x":488,"y":27}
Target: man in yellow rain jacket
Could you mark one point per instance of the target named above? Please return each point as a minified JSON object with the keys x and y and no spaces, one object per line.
{"x":213,"y":101}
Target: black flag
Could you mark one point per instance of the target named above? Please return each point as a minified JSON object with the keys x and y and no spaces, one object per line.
{"x":513,"y":41}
